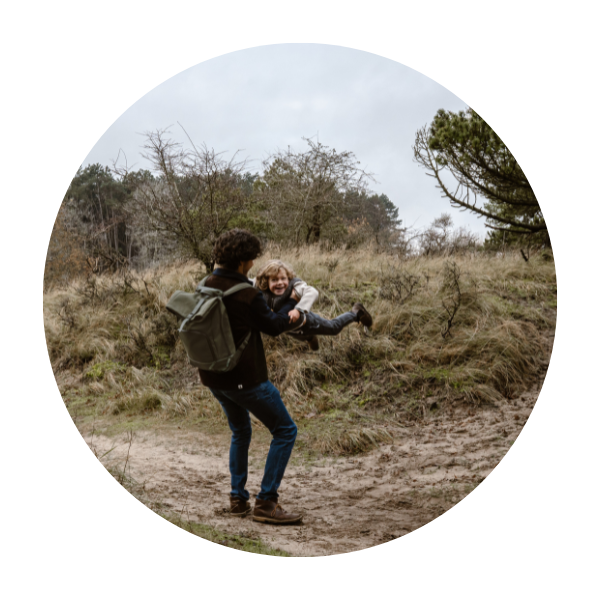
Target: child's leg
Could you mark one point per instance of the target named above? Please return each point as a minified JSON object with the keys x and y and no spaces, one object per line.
{"x":317,"y":325}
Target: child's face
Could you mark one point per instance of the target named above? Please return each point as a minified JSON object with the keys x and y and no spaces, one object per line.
{"x":278,"y":283}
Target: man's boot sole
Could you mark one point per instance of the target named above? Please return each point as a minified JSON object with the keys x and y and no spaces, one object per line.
{"x":242,"y":514}
{"x":276,"y":521}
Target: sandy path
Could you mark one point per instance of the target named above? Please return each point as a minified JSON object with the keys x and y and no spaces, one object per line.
{"x":348,"y":503}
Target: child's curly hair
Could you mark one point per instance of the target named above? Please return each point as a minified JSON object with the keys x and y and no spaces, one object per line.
{"x":235,"y":246}
{"x":270,"y":269}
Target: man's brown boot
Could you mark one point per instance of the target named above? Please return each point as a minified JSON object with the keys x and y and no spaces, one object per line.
{"x":313,"y":342}
{"x":362,"y":314}
{"x":269,"y":511}
{"x":239,"y":507}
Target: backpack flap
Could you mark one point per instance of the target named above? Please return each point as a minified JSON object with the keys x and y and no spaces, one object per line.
{"x":208,"y":299}
{"x":204,"y":306}
{"x":186,"y":305}
{"x":205,"y":331}
{"x":207,"y":338}
{"x":181,"y":304}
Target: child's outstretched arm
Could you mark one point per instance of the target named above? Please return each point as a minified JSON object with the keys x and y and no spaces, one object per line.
{"x":289,"y":310}
{"x":307,"y":295}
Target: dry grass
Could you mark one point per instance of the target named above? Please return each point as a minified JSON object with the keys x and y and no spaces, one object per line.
{"x":472,"y":329}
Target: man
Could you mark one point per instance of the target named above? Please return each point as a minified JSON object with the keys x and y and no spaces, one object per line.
{"x":246,"y":388}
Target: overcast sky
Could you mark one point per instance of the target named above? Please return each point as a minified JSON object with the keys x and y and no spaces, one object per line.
{"x":262,"y":99}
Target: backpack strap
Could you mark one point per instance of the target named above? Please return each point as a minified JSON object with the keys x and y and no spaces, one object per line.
{"x":201,"y":284}
{"x":199,"y":304}
{"x":239,"y":351}
{"x":233,"y":290}
{"x":237,"y":288}
{"x":203,"y":299}
{"x":192,"y":314}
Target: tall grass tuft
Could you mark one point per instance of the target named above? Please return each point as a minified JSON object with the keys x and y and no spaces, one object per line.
{"x":471,"y":329}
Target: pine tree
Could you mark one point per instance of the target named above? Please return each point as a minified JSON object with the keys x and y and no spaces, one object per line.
{"x":463,"y":145}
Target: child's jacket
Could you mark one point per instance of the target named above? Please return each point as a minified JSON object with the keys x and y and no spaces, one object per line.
{"x":308,"y":295}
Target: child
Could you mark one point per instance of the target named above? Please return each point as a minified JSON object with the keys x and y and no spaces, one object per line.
{"x":278,"y":284}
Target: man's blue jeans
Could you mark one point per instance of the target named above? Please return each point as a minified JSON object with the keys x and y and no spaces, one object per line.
{"x":264,"y":402}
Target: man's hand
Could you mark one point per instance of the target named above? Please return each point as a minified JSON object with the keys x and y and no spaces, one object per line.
{"x":294,"y":315}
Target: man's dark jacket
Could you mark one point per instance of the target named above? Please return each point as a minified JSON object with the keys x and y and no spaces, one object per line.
{"x":247,"y":311}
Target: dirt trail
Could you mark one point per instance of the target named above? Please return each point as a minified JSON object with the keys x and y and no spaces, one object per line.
{"x":348,"y":503}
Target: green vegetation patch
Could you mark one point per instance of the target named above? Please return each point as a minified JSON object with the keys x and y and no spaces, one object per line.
{"x":237,"y":542}
{"x":98,"y":370}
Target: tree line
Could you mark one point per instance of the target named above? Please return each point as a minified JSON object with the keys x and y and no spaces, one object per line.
{"x":116,"y":218}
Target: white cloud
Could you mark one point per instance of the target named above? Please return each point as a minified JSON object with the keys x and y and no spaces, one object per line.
{"x":265,"y":98}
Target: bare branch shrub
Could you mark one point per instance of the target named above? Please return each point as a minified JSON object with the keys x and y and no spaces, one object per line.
{"x":441,"y":239}
{"x":398,"y":285}
{"x":194,"y":198}
{"x":88,"y":289}
{"x":332,"y":264}
{"x":66,"y":314}
{"x":138,"y":348}
{"x":358,"y":233}
{"x":66,"y":257}
{"x":305,"y":191}
{"x":452,"y":301}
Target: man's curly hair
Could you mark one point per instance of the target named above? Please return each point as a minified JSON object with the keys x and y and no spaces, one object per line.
{"x":236,"y":246}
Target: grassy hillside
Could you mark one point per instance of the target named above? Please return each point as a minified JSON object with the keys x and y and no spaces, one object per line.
{"x":473,"y":330}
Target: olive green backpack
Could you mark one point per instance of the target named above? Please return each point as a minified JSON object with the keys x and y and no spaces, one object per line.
{"x":205,"y":331}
